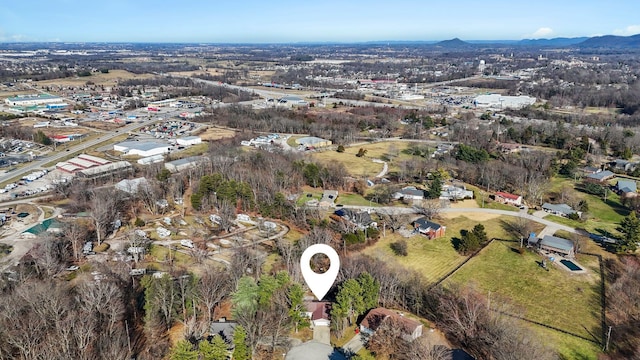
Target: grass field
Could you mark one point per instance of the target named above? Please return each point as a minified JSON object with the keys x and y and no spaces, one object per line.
{"x":602,"y":216}
{"x":343,"y":198}
{"x":98,"y":78}
{"x":434,"y":258}
{"x":364,"y":166}
{"x":557,"y":298}
{"x":214,"y":133}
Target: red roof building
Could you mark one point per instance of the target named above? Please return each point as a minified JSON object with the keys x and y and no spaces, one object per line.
{"x":506,"y":198}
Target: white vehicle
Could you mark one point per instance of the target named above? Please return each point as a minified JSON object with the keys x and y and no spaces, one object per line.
{"x":187,"y":243}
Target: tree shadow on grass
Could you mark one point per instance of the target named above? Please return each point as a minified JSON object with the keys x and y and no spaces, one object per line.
{"x":456,"y":243}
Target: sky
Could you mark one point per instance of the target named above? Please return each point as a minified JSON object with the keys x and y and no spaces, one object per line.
{"x":285,"y":21}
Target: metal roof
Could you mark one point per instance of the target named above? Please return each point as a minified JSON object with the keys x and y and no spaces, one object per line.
{"x":557,"y":243}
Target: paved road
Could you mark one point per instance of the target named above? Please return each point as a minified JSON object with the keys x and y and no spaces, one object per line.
{"x":34,"y":165}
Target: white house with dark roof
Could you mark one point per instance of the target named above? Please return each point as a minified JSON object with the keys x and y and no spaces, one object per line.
{"x":600,"y":176}
{"x":559,"y":209}
{"x":409,"y":193}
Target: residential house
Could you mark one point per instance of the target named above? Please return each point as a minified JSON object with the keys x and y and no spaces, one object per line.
{"x":559,"y":209}
{"x":411,"y":329}
{"x":409,"y":193}
{"x":506,"y":198}
{"x":627,"y":188}
{"x":359,"y":219}
{"x":328,"y":198}
{"x":600,"y":176}
{"x":557,"y":245}
{"x":588,"y":170}
{"x":223,"y":328}
{"x":429,"y":228}
{"x":623,"y":165}
{"x":318,"y":313}
{"x":508,"y":148}
{"x":451,"y":192}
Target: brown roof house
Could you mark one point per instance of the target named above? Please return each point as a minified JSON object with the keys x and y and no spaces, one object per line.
{"x":411,"y":329}
{"x":318,"y":312}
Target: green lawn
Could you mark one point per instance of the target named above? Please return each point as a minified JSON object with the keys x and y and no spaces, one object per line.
{"x":354,"y":199}
{"x":557,"y":298}
{"x":601,"y":215}
{"x":364,"y":166}
{"x":487,"y":203}
{"x":433,"y":258}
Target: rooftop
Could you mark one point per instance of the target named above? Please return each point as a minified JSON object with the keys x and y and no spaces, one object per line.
{"x":423,"y":223}
{"x":601,"y":175}
{"x":142,"y":145}
{"x":556,"y":242}
{"x":561,"y":208}
{"x":375,"y":317}
{"x":507,"y":195}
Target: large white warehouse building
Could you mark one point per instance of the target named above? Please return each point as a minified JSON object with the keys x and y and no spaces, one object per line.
{"x":142,"y":148}
{"x":497,"y":101}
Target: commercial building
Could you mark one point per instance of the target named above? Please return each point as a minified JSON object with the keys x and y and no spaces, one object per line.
{"x":497,"y":101}
{"x":151,"y":160}
{"x":81,"y":162}
{"x":141,"y":148}
{"x":184,"y":164}
{"x":116,"y":169}
{"x":189,"y":140}
{"x":32,"y":100}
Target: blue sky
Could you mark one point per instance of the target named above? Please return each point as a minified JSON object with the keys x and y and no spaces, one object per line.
{"x":259,"y":21}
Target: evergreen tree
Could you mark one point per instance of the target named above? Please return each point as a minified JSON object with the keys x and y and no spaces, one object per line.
{"x":214,"y":350}
{"x":296,"y":306}
{"x":349,"y":302}
{"x":183,"y":350}
{"x":241,"y":350}
{"x":480,"y":233}
{"x":435,"y":188}
{"x":370,"y":289}
{"x":630,"y":227}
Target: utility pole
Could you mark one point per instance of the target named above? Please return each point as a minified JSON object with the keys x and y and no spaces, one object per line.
{"x":606,"y":346}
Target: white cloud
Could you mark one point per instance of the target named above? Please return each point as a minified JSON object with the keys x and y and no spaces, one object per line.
{"x":543,"y":32}
{"x":629,"y":30}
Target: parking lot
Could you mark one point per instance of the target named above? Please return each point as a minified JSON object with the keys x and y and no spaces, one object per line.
{"x":32,"y":185}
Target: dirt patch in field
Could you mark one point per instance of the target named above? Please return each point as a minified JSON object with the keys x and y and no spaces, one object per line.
{"x":464,"y":204}
{"x":102,"y":125}
{"x":214,"y":133}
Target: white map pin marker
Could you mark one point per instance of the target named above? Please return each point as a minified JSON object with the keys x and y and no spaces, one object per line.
{"x":320,"y":283}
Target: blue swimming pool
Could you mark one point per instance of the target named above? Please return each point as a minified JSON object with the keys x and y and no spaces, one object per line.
{"x":571,"y":265}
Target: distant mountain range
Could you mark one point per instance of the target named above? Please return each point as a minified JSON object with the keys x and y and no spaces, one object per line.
{"x":604,"y":42}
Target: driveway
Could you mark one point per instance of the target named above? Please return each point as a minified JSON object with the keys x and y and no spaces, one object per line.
{"x":322,"y":334}
{"x":354,"y":345}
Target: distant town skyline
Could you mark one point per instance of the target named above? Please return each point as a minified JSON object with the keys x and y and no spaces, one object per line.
{"x":283,"y":21}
